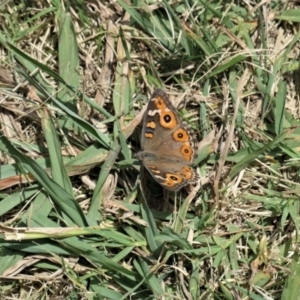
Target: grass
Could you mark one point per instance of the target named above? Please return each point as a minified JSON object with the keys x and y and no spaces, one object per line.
{"x":75,"y":221}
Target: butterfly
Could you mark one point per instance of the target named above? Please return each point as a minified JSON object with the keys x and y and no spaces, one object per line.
{"x":168,"y":144}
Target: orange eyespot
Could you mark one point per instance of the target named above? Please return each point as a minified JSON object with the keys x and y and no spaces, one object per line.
{"x":159,"y":103}
{"x":167,"y":119}
{"x":172,"y":179}
{"x":181,"y":135}
{"x":187,"y":172}
{"x":187,"y":152}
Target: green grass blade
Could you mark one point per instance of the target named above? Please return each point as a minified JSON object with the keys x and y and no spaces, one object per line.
{"x":145,"y":272}
{"x":63,"y":199}
{"x":280,"y":101}
{"x":58,"y":172}
{"x":68,"y":59}
{"x":251,"y":157}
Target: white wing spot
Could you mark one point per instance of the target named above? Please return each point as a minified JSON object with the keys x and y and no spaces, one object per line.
{"x":152,"y":113}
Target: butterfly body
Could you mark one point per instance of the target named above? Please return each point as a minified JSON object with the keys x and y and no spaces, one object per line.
{"x":168,"y":144}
